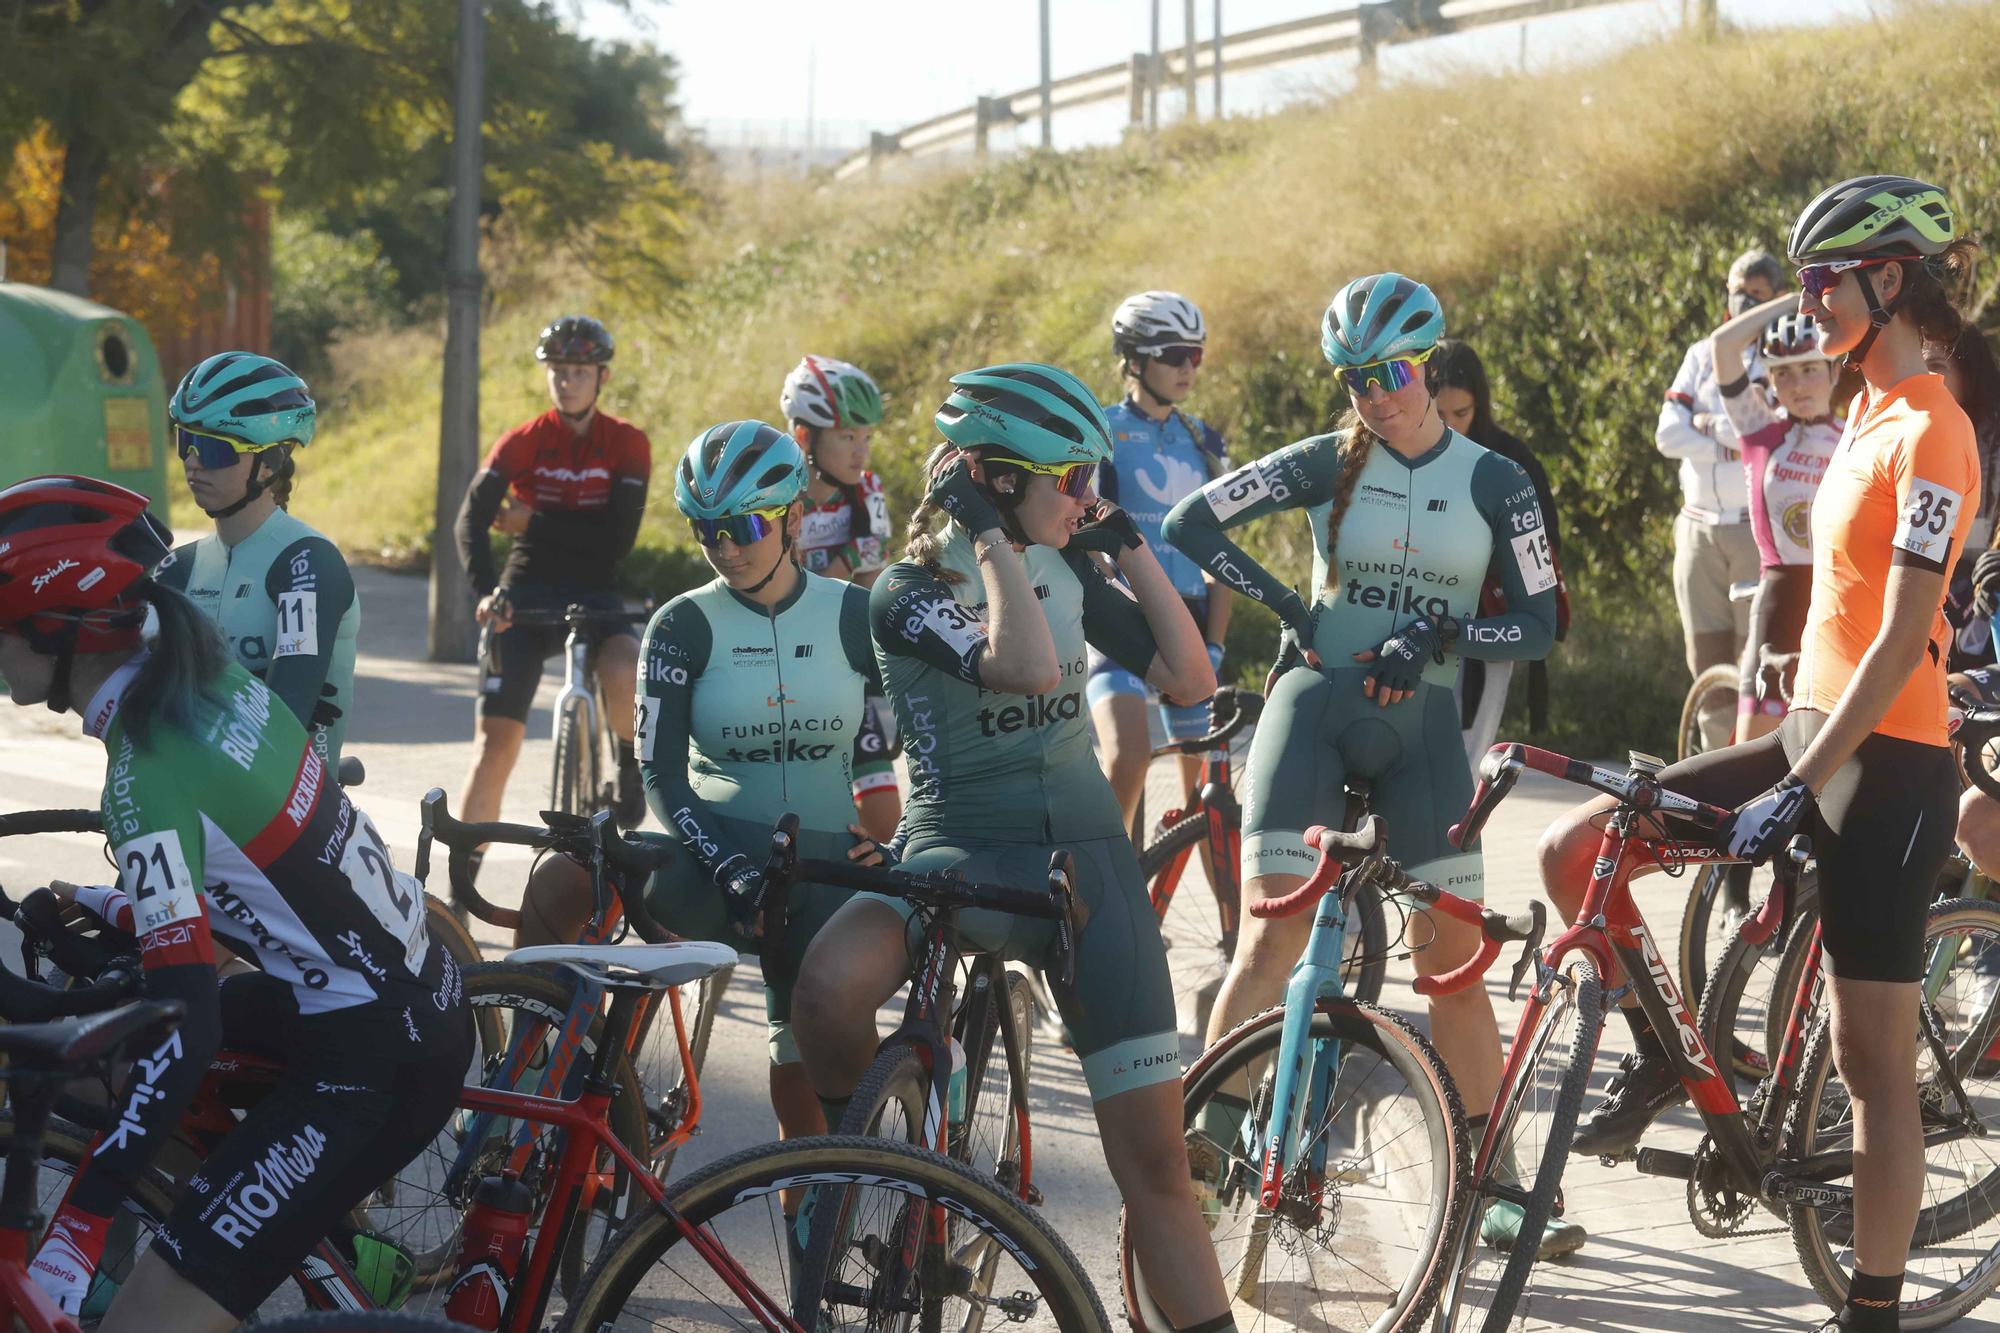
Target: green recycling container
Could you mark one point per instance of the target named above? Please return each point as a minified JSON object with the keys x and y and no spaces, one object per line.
{"x":80,"y":392}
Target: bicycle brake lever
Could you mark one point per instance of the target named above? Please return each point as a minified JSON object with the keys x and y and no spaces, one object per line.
{"x":1529,"y":947}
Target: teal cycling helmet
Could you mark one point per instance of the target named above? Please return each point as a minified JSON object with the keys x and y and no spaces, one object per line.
{"x":736,"y":467}
{"x":1030,"y":412}
{"x":252,"y":401}
{"x":1379,"y":318}
{"x":823,"y":392}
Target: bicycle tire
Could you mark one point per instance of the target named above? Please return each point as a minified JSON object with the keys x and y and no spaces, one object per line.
{"x":1366,"y":964}
{"x":428,"y":1228}
{"x":754,"y":1178}
{"x":1815,"y":1122}
{"x":1747,"y":996}
{"x":572,"y":784}
{"x":1437,"y":1193}
{"x":1722,"y":676}
{"x":1556,"y":1081}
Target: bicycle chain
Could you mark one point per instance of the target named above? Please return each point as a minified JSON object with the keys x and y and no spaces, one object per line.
{"x":1715,"y":1205}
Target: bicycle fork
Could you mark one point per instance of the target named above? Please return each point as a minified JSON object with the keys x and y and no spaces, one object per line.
{"x":1317,"y":974}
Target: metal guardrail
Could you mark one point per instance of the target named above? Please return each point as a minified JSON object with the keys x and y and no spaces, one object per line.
{"x":1363,"y":28}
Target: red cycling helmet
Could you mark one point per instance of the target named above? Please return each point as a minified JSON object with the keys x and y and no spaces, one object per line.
{"x":70,"y":548}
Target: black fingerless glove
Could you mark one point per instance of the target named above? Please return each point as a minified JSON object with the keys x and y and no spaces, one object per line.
{"x":1111,"y":532}
{"x":954,"y":491}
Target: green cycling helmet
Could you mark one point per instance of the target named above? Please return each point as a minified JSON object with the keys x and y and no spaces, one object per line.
{"x":250,"y":400}
{"x":1031,"y":412}
{"x":823,"y":392}
{"x":736,"y":467}
{"x":1379,"y":318}
{"x":1873,"y":216}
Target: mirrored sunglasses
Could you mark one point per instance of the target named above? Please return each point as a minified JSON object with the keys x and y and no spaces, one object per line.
{"x":741,"y":529}
{"x":1819,"y":279}
{"x":1184,"y":355}
{"x":1393,"y":374}
{"x":1072,"y":479}
{"x":214,"y":451}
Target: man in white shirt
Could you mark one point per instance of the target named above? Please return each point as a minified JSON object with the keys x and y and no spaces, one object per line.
{"x":1713,"y":548}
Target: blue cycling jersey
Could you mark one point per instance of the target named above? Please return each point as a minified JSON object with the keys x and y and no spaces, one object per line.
{"x":1154,"y":464}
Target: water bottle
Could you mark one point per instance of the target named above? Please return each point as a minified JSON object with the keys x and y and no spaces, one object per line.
{"x":496,"y":1232}
{"x":955,"y":1096}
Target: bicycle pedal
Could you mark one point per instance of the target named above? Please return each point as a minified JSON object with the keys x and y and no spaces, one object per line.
{"x":1660,"y":1162}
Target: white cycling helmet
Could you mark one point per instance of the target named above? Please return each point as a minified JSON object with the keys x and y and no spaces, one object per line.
{"x":1152,"y":321}
{"x":823,"y":392}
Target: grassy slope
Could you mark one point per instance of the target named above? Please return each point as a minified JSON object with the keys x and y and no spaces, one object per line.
{"x":1577,"y":226}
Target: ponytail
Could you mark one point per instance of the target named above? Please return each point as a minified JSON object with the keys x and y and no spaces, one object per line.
{"x":1355,"y":442}
{"x":187,"y":658}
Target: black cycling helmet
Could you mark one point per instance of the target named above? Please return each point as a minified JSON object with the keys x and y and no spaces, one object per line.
{"x":577,"y":339}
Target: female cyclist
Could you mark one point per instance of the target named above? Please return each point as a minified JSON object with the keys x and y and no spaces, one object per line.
{"x":833,"y":409}
{"x":751,"y":689}
{"x":224,"y":825}
{"x":981,"y":632}
{"x":1861,"y":762}
{"x":1409,"y":521}
{"x":1785,"y":452}
{"x":279,"y":591}
{"x":1465,"y":401}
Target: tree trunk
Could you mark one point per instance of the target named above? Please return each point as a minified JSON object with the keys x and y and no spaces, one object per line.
{"x":84,"y":161}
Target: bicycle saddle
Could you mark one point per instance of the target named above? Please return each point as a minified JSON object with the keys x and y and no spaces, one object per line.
{"x":75,"y":1045}
{"x":651,"y":966}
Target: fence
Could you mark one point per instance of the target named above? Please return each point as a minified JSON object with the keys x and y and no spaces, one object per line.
{"x":1362,"y":28}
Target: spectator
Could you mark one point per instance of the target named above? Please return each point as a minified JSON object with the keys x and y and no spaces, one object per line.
{"x":1973,"y":376}
{"x":1713,"y":546}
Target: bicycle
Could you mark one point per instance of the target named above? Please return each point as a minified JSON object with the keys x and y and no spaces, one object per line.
{"x":895,"y":1192}
{"x":1784,"y":1148}
{"x":1327,"y":1127}
{"x":586,"y":748}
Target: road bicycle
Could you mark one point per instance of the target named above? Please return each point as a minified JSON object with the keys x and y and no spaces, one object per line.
{"x":935,"y":1081}
{"x":712,"y":1250}
{"x":1787,"y":1146}
{"x":1325,"y":1137}
{"x":583,"y":778}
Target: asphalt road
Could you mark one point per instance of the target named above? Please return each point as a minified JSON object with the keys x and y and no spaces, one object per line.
{"x":1645,"y":1267}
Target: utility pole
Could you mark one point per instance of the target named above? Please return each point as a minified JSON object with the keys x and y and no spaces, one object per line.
{"x":1153,"y":76}
{"x":1215,"y":74}
{"x":1187,"y":55}
{"x":452,"y":631}
{"x":1048,"y":90}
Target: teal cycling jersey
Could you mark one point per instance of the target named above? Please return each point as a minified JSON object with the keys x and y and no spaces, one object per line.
{"x":1420,"y":538}
{"x":285,"y":602}
{"x":1153,"y":466}
{"x":1008,"y":767}
{"x":747,"y":712}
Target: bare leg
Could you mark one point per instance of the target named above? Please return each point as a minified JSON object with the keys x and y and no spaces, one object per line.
{"x":1463,"y":1027}
{"x":1121,"y":734}
{"x":1146,"y":1150}
{"x":1265,"y":954}
{"x":617,"y":672}
{"x":1875,"y":1050}
{"x":556,"y":906}
{"x":495,"y":747}
{"x":855,"y":963}
{"x":156,"y":1299}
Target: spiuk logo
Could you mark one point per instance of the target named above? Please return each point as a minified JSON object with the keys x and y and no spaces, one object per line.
{"x":43,"y":579}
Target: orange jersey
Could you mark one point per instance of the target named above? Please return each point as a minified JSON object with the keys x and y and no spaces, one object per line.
{"x":1901,"y":489}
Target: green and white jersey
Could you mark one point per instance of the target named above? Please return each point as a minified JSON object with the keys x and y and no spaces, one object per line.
{"x":285,"y":601}
{"x":1420,"y":537}
{"x":747,"y":713}
{"x":986,"y":764}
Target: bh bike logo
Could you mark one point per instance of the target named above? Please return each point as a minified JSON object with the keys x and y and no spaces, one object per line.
{"x":1691,"y":1047}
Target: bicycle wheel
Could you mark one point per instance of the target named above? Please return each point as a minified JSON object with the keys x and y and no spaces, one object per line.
{"x":422,"y":1208}
{"x":1746,"y":999}
{"x":646,"y":1277}
{"x":1954,"y":1261}
{"x":1714,"y":692}
{"x":65,"y":1148}
{"x":1193,"y":929}
{"x":1364,"y":1246}
{"x":573,"y":789}
{"x":1534,"y":1120}
{"x":662,"y":1086}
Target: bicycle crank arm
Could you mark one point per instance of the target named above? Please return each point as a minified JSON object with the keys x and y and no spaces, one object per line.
{"x":1778,"y":1187}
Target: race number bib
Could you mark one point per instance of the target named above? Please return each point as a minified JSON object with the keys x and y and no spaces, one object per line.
{"x":1231,"y":495}
{"x":155,"y":876}
{"x":958,"y":627}
{"x":392,"y":897}
{"x":298,"y":625}
{"x":1930,"y":512}
{"x":1538,"y":566}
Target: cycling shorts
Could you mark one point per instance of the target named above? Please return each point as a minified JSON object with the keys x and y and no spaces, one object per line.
{"x":1120,"y":1013}
{"x":342,"y":1120}
{"x":1318,"y":733}
{"x":1777,"y":619}
{"x":876,"y":746}
{"x":684,"y":897}
{"x":510,"y":679}
{"x":1880,"y":832}
{"x":1183,"y":722}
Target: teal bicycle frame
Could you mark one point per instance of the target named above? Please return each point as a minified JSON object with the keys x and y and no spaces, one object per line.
{"x":1302,"y":1059}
